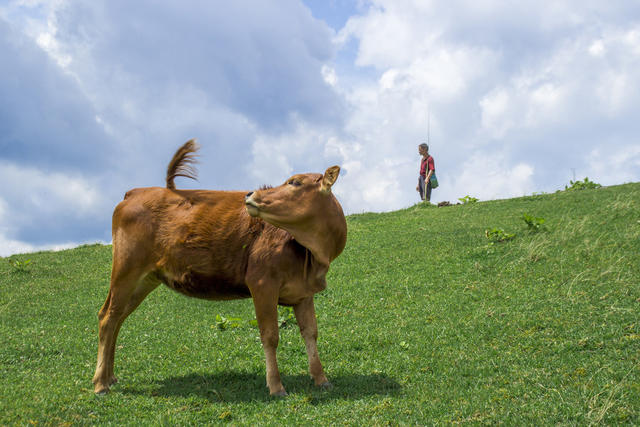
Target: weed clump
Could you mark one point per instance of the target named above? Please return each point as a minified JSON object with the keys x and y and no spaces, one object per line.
{"x":20,"y":266}
{"x":468,"y":200}
{"x":286,"y":318}
{"x":534,"y":224}
{"x":581,"y":185}
{"x":498,"y":235}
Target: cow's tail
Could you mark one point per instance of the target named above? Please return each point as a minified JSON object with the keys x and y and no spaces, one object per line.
{"x":182,"y":163}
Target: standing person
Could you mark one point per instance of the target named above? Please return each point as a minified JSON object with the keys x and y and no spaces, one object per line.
{"x":427,"y":168}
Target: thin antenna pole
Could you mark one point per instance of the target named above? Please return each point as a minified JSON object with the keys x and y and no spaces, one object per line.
{"x":428,"y":126}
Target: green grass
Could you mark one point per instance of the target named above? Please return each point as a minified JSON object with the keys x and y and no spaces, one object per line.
{"x":424,"y":322}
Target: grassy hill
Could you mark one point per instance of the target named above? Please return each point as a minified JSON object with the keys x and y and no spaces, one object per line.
{"x":426,"y":320}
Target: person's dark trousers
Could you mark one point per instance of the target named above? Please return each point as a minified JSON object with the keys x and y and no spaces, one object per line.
{"x":425,"y":193}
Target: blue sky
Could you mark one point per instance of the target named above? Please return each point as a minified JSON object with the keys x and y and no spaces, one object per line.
{"x":96,"y":96}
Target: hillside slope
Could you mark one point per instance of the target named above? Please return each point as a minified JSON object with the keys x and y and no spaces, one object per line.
{"x":424,"y":320}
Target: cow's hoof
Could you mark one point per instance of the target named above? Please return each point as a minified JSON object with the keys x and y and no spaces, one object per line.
{"x":101,"y":391}
{"x":280,"y":393}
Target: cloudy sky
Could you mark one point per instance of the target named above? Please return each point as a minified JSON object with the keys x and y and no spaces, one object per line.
{"x":95,"y":96}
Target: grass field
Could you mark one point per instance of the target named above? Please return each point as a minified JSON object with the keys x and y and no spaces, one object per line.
{"x":425,"y":321}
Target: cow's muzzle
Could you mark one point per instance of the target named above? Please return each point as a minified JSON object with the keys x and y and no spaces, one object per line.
{"x":251,"y":206}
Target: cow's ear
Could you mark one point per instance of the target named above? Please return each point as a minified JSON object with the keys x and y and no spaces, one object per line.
{"x":329,"y":178}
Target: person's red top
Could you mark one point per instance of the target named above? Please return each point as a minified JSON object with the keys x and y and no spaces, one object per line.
{"x":423,"y":166}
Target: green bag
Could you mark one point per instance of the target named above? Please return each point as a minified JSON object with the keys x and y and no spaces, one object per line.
{"x":433,"y":180}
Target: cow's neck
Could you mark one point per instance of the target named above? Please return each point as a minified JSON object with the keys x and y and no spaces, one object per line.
{"x":325,"y":242}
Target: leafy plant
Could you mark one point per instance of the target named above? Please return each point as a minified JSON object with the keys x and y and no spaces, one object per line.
{"x":223,"y":323}
{"x":534,"y":223}
{"x":467,"y":199}
{"x":581,"y":185}
{"x":20,"y":266}
{"x":498,"y":235}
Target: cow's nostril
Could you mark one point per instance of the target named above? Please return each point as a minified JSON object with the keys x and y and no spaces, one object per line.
{"x":248,"y":194}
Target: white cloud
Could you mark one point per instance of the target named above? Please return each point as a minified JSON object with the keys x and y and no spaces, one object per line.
{"x":615,"y":165}
{"x":298,"y":150}
{"x":368,"y":183}
{"x":49,"y":209}
{"x":10,"y":246}
{"x":40,"y":188}
{"x":490,"y":177}
{"x":597,"y":48}
{"x":329,"y":75}
{"x":567,"y":87}
{"x":495,"y":107}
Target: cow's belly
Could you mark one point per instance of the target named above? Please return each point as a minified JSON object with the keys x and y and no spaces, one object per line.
{"x":204,"y":286}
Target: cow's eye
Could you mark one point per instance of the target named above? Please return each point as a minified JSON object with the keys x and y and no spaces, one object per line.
{"x":295,"y":183}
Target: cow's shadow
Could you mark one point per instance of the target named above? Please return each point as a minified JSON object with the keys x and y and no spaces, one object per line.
{"x":247,"y":386}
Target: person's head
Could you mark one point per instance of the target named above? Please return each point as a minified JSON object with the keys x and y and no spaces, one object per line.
{"x":423,"y":149}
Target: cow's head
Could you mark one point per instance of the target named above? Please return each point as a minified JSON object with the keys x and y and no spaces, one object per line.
{"x":305,"y":206}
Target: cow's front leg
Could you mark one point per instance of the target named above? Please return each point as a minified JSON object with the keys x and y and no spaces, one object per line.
{"x":306,"y":316}
{"x":266,"y":305}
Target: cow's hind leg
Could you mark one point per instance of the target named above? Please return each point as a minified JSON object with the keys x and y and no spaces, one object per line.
{"x":126,"y":293}
{"x":306,"y":317}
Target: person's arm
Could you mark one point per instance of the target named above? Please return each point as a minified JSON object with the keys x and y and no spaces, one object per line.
{"x":429,"y":171}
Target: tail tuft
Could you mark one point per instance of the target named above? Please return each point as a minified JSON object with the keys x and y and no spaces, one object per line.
{"x":182,"y":163}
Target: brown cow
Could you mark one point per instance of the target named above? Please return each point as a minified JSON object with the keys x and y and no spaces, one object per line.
{"x":273,"y":245}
